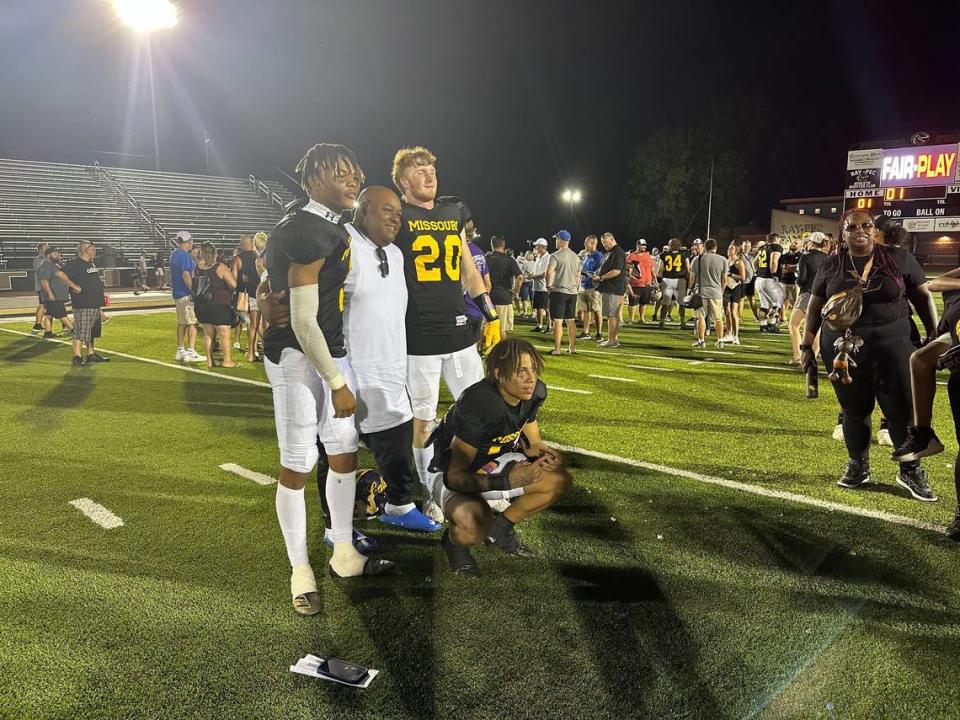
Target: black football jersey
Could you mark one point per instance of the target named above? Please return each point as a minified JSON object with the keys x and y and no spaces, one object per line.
{"x":304,"y":237}
{"x":436,"y":313}
{"x":675,"y":263}
{"x":482,"y":419}
{"x":762,"y":263}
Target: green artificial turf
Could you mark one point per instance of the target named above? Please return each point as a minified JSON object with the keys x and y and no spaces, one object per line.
{"x":654,"y":596}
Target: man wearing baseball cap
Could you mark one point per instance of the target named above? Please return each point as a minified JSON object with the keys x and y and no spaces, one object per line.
{"x":538,"y":273}
{"x":563,"y":282}
{"x":182,"y":266}
{"x":639,"y":282}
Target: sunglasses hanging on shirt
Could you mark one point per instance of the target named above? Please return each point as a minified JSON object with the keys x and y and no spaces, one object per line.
{"x":383,"y":266}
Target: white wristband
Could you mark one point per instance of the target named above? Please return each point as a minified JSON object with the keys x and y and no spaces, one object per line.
{"x":304,"y":306}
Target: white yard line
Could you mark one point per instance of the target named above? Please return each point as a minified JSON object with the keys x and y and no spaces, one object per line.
{"x":161,"y":363}
{"x":570,"y":390}
{"x":649,"y":367}
{"x":665,"y":469}
{"x":756,"y":489}
{"x":97,"y":513}
{"x":258,"y":478}
{"x":610,"y":377}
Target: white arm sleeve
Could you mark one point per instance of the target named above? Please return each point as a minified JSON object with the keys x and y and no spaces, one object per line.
{"x":304,"y":306}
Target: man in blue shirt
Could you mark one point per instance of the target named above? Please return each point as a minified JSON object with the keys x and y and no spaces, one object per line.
{"x":588,"y":302}
{"x":182,"y":266}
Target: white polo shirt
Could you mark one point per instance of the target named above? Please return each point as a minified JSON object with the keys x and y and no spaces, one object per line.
{"x":374,"y":326}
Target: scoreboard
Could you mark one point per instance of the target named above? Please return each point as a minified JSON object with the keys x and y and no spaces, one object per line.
{"x":918,"y":186}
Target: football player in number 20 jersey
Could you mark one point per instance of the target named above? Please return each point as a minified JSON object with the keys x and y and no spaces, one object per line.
{"x":438,"y":267}
{"x":308,"y":257}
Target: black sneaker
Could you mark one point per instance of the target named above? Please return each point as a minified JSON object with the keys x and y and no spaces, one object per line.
{"x":584,"y":336}
{"x":921,"y":442}
{"x":773,"y":329}
{"x":598,"y":337}
{"x":503,"y":535}
{"x":94,"y":358}
{"x":37,"y":327}
{"x":48,"y":334}
{"x":857,"y":474}
{"x":462,"y":562}
{"x":914,"y":479}
{"x":78,"y":361}
{"x":953,"y":529}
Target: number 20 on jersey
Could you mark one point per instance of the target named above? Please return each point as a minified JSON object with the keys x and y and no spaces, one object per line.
{"x":427,"y":251}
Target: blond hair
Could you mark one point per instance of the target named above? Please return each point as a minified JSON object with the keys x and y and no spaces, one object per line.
{"x":260,"y":241}
{"x":409,"y":157}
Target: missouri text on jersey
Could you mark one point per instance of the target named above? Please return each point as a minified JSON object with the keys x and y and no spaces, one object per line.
{"x":428,"y":225}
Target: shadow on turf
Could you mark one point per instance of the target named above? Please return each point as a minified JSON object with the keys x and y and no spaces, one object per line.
{"x":26,"y":349}
{"x":73,"y":390}
{"x":639,"y":644}
{"x":405,"y":649}
{"x":205,"y":396}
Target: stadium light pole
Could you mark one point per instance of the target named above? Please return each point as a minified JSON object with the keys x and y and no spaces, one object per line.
{"x":572,"y":197}
{"x":145,"y":17}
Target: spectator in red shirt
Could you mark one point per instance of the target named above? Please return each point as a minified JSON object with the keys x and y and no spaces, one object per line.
{"x":641,"y":282}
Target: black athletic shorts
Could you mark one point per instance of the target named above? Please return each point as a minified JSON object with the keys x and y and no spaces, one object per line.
{"x":55,"y":309}
{"x":541,"y":300}
{"x":641,"y":296}
{"x":733,"y":295}
{"x":563,"y":306}
{"x":750,"y":289}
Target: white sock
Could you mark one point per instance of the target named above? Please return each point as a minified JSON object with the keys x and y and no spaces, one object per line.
{"x":292,"y":514}
{"x":391,"y":509}
{"x":422,"y":457}
{"x":341,"y":494}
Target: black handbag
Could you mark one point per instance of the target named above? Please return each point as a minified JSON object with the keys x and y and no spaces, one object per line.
{"x":693,"y":300}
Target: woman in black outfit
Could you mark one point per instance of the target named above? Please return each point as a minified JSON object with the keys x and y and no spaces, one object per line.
{"x":890,"y":277}
{"x":216,"y":314}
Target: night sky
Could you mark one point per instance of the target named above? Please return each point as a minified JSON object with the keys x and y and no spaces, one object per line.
{"x":518,"y":99}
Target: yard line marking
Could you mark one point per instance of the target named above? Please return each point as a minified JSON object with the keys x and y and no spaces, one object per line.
{"x":258,"y":478}
{"x":700,"y":362}
{"x":97,"y":513}
{"x":571,"y":390}
{"x":610,"y":377}
{"x":649,"y":367}
{"x":161,"y":363}
{"x":755,"y":489}
{"x":718,"y":352}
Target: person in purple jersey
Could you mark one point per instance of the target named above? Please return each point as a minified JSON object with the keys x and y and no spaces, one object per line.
{"x":474,"y":313}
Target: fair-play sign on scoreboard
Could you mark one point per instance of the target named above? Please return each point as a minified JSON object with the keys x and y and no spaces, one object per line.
{"x":918,"y":186}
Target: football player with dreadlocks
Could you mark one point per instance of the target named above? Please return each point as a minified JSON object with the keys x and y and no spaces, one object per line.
{"x":308,"y":257}
{"x":488,"y":447}
{"x":439,"y":266}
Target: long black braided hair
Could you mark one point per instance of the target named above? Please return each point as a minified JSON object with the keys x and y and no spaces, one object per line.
{"x":883,"y":256}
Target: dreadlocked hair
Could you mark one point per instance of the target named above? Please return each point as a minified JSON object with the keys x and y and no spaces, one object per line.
{"x":883,"y":256}
{"x":321,"y":161}
{"x":504,"y":358}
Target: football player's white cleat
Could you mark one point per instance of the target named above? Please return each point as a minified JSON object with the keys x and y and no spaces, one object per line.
{"x":433,"y":511}
{"x":303,"y":587}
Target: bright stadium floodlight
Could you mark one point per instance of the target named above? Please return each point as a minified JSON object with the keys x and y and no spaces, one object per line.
{"x":571,"y":197}
{"x":146,"y":15}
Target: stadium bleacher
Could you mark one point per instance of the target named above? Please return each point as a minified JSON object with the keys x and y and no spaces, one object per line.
{"x":129,"y":210}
